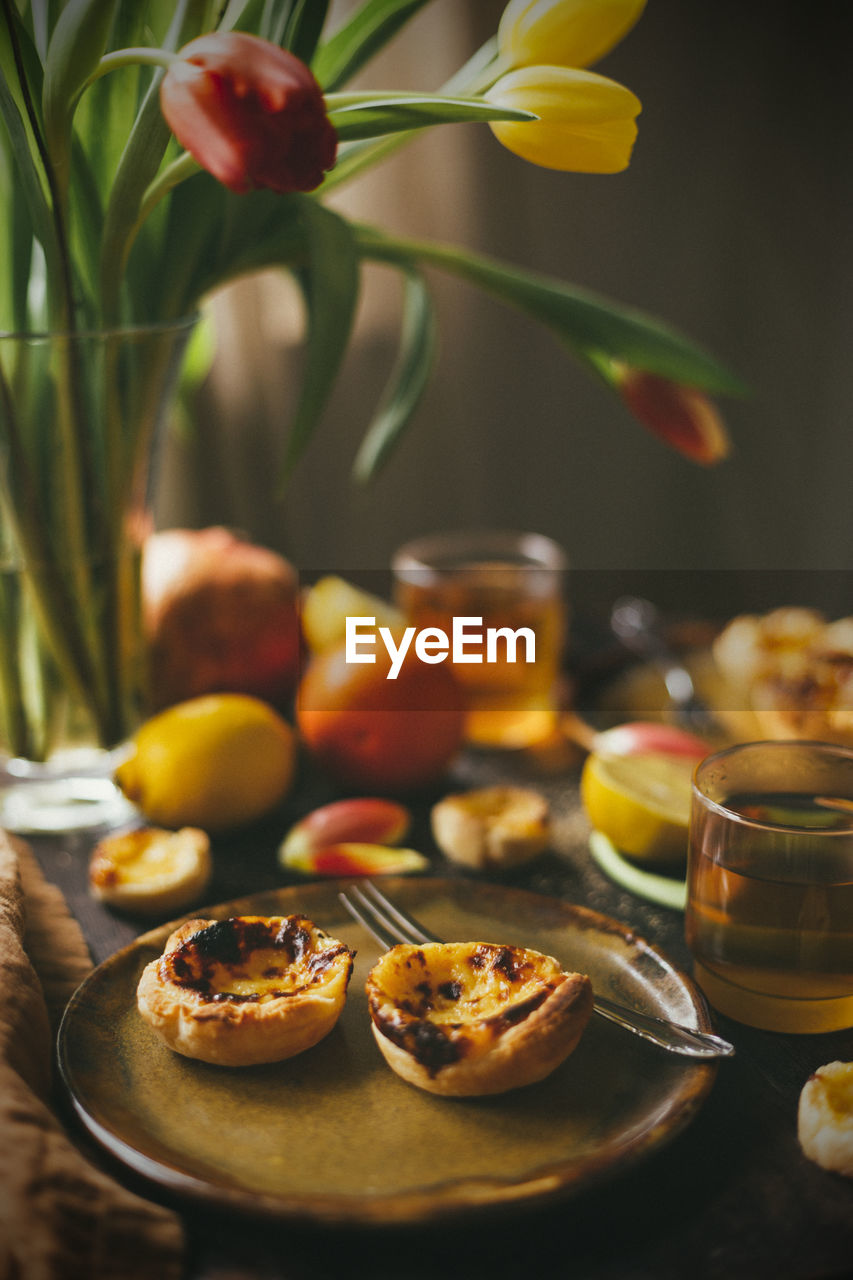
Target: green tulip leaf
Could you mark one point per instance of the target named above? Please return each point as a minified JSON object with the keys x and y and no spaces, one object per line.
{"x":16,"y":246}
{"x":213,"y":236}
{"x":293,"y":24}
{"x":23,"y":152}
{"x":139,"y":163}
{"x":86,"y":221}
{"x":304,"y":25}
{"x":329,"y":279}
{"x":370,"y":115}
{"x":138,"y":167}
{"x":594,"y":328}
{"x":107,"y":109}
{"x":245,"y":15}
{"x":44,"y":18}
{"x":76,"y":46}
{"x":368,"y":30}
{"x":408,"y":381}
{"x":21,"y":68}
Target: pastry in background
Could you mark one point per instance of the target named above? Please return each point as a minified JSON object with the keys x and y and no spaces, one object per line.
{"x":150,"y":871}
{"x":493,"y":827}
{"x":825,"y":1117}
{"x":792,"y":670}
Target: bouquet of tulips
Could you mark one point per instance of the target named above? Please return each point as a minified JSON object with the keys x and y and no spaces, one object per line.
{"x":151,"y":150}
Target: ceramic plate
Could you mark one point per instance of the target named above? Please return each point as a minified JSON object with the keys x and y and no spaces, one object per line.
{"x":333,"y":1135}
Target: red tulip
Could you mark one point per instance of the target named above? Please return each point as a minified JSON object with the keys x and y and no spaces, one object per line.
{"x":681,"y":416}
{"x":251,"y":113}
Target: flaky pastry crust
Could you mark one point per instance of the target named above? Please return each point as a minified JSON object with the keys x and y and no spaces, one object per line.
{"x":245,"y":990}
{"x":794,"y":672}
{"x":470,"y":1018}
{"x":825,"y":1117}
{"x":151,"y":871}
{"x":492,"y":827}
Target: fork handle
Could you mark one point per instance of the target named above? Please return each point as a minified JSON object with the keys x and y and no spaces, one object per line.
{"x":669,"y":1035}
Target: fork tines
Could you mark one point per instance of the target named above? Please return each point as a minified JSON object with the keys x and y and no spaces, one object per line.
{"x":382,"y":918}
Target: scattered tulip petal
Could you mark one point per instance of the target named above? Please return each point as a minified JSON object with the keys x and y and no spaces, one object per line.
{"x":367,"y":820}
{"x":353,"y":858}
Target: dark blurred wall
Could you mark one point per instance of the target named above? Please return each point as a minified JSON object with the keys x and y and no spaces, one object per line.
{"x":732,"y":223}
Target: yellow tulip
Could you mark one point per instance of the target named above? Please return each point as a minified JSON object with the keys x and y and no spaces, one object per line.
{"x":585,"y":122}
{"x":565,"y":33}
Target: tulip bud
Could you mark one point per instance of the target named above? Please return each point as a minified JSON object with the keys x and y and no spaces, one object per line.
{"x":249,"y":112}
{"x":565,"y":33}
{"x":681,"y":416}
{"x":585,"y":121}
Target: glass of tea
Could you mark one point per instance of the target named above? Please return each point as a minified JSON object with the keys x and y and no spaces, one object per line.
{"x":513,"y":586}
{"x":770,"y":884}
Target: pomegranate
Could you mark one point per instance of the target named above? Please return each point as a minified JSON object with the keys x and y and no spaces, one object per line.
{"x":220,"y":615}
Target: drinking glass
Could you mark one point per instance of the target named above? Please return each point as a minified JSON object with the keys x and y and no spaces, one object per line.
{"x":509,"y":581}
{"x":770,"y":884}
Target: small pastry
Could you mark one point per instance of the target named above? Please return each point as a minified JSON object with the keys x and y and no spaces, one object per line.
{"x":468,"y":1018}
{"x":793,"y":671}
{"x":825,"y":1117}
{"x":245,"y":990}
{"x":151,"y":871}
{"x":493,"y":827}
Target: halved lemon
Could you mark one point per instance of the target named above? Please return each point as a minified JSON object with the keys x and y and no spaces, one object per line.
{"x":640,"y":802}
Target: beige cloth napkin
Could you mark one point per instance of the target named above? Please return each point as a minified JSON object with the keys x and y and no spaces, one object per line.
{"x":60,"y":1217}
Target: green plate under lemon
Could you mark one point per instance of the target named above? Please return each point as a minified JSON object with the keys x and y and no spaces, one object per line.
{"x":666,"y":891}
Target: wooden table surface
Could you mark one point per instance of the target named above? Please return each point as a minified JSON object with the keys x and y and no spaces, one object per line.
{"x":730,"y":1197}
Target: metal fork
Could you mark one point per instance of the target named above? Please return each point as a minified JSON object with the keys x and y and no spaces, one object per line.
{"x":389,"y":925}
{"x":638,"y":625}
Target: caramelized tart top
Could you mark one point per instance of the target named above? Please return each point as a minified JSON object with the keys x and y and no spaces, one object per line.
{"x":252,"y":959}
{"x":445,"y":1001}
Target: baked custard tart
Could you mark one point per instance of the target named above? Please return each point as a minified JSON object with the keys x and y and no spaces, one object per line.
{"x":245,"y":990}
{"x":150,"y":871}
{"x":468,"y":1018}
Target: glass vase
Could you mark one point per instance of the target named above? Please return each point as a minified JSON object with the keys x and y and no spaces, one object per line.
{"x":79,"y":421}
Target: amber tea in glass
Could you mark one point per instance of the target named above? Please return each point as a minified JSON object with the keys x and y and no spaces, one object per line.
{"x":770,"y":884}
{"x":510,"y":581}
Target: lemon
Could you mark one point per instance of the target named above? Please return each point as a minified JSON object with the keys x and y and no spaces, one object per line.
{"x":327,"y":605}
{"x":214,"y":762}
{"x":640,"y":802}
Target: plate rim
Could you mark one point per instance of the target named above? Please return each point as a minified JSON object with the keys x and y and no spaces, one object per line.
{"x":472,"y":1196}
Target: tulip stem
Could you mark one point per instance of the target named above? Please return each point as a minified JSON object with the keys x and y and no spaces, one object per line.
{"x":471,"y":79}
{"x":181,"y":168}
{"x":141,"y":55}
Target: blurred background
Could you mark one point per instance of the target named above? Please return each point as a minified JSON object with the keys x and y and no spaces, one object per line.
{"x":732,"y":224}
